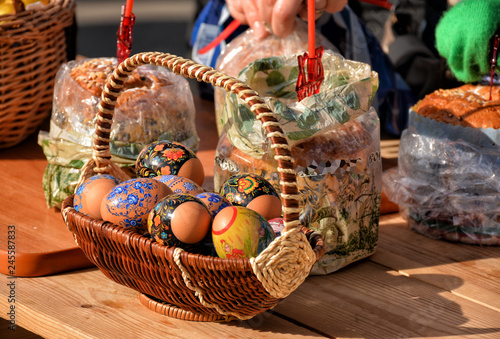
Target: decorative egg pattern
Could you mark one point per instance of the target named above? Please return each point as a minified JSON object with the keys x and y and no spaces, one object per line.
{"x":180,"y":184}
{"x":239,"y":232}
{"x":214,"y":202}
{"x":89,"y":194}
{"x":240,"y":189}
{"x":278,"y":225}
{"x":129,"y":203}
{"x":162,"y":158}
{"x":160,"y":221}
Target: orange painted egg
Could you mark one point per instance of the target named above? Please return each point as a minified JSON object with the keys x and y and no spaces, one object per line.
{"x":180,"y":184}
{"x":128,"y":203}
{"x":252,"y":191}
{"x":239,"y":232}
{"x":89,"y":194}
{"x":169,"y":157}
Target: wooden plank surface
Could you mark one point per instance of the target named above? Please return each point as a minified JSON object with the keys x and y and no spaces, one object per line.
{"x":375,"y":298}
{"x":467,"y":270}
{"x":85,"y":304}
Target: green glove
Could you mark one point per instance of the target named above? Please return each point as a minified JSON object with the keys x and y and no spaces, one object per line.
{"x":463,"y":37}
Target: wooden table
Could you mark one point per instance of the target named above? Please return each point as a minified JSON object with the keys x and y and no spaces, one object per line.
{"x":412,"y":287}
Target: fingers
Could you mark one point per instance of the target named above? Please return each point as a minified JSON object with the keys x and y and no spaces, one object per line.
{"x":279,"y":15}
{"x":248,"y":13}
{"x":283,"y":16}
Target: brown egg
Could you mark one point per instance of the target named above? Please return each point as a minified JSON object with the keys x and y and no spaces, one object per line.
{"x":191,"y":222}
{"x":193,"y":169}
{"x":89,"y":194}
{"x":269,"y":206}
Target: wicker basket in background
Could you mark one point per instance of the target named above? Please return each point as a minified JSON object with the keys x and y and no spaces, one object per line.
{"x":175,"y":282}
{"x":33,"y":45}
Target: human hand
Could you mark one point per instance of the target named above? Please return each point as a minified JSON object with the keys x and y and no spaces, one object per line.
{"x":279,"y":15}
{"x":463,"y":37}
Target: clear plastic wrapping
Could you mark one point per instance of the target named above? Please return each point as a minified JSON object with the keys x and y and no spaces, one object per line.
{"x":447,"y":182}
{"x":245,"y":48}
{"x":335,"y":141}
{"x":155,"y":104}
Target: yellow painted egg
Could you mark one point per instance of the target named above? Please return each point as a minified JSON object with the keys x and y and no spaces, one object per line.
{"x":239,"y":232}
{"x":89,"y":194}
{"x":129,"y":203}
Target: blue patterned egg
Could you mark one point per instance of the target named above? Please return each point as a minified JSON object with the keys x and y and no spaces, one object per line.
{"x":180,"y":184}
{"x":214,"y":202}
{"x":128,"y":203}
{"x":89,"y":194}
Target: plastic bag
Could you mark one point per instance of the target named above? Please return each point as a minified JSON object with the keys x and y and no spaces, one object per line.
{"x":155,"y":104}
{"x":446,"y":183}
{"x":335,"y":141}
{"x":246,"y":48}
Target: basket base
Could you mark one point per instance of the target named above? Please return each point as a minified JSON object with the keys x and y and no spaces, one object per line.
{"x":177,"y":312}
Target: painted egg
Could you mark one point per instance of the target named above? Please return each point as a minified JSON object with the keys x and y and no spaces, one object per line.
{"x":89,"y":194}
{"x":169,"y":157}
{"x":180,"y":184}
{"x":278,"y":226}
{"x":214,"y":202}
{"x":254,"y":192}
{"x":239,"y":232}
{"x":180,"y":220}
{"x":128,"y":203}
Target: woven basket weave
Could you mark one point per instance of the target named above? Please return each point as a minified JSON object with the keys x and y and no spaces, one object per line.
{"x":181,"y":284}
{"x":32,"y":47}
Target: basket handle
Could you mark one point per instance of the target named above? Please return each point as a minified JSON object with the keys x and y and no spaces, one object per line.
{"x":101,"y":155}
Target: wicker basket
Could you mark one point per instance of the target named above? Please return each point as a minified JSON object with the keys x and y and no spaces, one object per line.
{"x":32,"y":47}
{"x":181,"y":284}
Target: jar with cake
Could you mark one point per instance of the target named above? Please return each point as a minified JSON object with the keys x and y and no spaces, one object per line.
{"x":335,"y":141}
{"x":446,"y":183}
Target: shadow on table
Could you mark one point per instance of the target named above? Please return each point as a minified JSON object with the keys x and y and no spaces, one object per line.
{"x":364,"y":300}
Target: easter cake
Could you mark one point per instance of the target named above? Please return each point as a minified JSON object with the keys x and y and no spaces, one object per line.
{"x":447,"y":183}
{"x":155,"y":104}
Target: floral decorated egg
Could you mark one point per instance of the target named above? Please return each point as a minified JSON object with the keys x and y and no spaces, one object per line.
{"x":278,"y":226}
{"x":89,"y":194}
{"x":180,"y":184}
{"x":128,"y":203}
{"x":239,"y":232}
{"x":253,"y":191}
{"x":169,"y":157}
{"x":179,"y":220}
{"x":214,"y":202}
